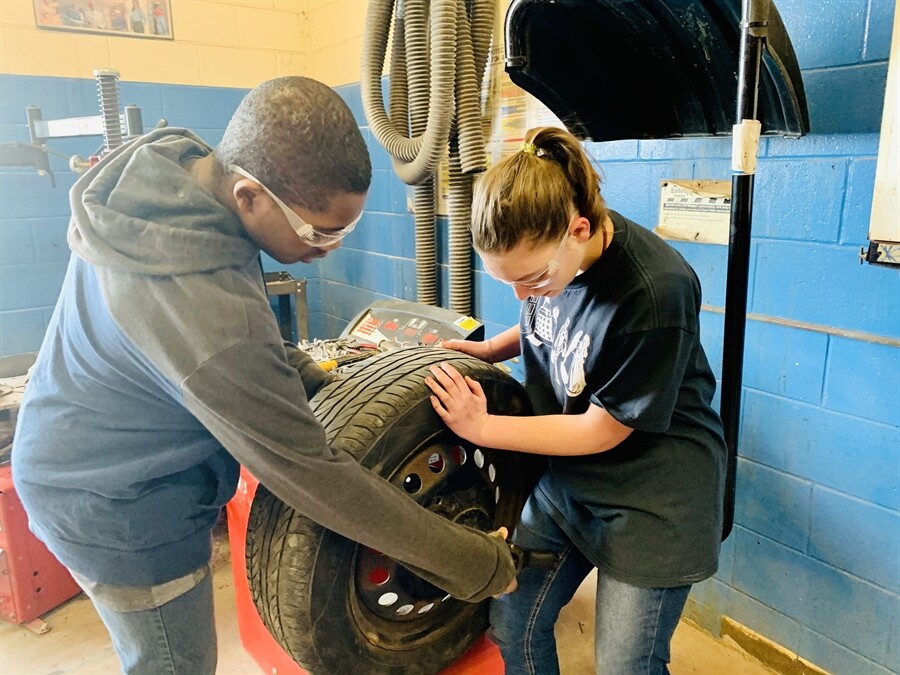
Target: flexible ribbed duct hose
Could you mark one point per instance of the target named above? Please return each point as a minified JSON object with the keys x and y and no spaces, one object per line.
{"x":438,"y":58}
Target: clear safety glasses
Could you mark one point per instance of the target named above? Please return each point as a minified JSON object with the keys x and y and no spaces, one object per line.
{"x":303,"y":229}
{"x":542,"y":279}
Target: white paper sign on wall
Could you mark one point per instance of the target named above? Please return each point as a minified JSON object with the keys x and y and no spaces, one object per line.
{"x":695,"y":210}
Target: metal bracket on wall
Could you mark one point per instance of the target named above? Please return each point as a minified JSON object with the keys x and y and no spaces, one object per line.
{"x":881,"y":253}
{"x":283,"y":286}
{"x":114,"y":126}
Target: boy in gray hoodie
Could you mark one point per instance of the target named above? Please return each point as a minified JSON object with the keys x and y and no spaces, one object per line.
{"x":163,"y":369}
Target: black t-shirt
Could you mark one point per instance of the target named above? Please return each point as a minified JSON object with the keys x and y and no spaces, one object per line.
{"x":625,"y":335}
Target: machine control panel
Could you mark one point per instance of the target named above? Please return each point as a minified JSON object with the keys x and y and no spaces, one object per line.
{"x":407,"y":324}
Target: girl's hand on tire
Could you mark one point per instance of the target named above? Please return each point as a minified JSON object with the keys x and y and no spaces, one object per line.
{"x":480,"y":350}
{"x":459,"y":401}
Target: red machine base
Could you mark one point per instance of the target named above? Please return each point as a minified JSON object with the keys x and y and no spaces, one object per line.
{"x":483,"y":658}
{"x":32,"y":581}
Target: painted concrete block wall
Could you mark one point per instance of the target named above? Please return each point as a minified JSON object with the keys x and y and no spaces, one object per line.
{"x":34,"y":216}
{"x":230,"y":43}
{"x":334,"y":29}
{"x":813,"y":561}
{"x":221,"y":49}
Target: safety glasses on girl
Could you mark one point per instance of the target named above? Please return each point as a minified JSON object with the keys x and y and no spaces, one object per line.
{"x":542,"y":279}
{"x":303,"y":229}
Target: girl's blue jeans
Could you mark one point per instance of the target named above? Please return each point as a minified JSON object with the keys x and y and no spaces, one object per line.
{"x":634,"y":626}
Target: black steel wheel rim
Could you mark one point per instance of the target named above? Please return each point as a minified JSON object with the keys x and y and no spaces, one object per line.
{"x":393,"y":607}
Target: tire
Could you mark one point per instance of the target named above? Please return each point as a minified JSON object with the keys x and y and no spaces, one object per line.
{"x":322,"y":596}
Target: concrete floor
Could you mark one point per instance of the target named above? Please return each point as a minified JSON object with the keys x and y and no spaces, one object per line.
{"x":78,"y":644}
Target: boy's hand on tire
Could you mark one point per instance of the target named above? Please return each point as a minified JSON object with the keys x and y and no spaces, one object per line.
{"x":502,"y":533}
{"x":313,"y":377}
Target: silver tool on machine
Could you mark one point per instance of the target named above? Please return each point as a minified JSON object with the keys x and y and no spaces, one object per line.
{"x":391,"y":324}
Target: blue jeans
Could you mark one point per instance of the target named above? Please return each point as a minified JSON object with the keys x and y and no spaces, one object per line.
{"x":176,"y":638}
{"x":634,"y":626}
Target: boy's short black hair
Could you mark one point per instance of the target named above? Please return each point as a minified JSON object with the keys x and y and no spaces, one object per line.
{"x":299,"y":138}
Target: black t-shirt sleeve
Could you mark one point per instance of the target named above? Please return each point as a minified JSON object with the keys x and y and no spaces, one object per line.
{"x":640,"y":376}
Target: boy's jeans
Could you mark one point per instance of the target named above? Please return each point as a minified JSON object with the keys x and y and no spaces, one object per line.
{"x":177,"y":637}
{"x":634,"y":626}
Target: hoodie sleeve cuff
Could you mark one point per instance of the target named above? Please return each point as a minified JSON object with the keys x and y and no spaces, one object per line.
{"x":502,"y":576}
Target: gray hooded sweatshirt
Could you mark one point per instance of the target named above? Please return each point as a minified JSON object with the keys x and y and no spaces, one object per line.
{"x":162,"y":369}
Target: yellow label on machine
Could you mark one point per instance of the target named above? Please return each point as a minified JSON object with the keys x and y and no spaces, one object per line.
{"x":467,"y":323}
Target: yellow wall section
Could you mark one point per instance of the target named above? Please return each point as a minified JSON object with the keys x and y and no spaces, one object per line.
{"x":335,"y":29}
{"x":225,"y":43}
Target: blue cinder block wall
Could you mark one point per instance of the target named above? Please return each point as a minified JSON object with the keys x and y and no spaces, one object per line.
{"x":814,"y":560}
{"x":34,"y":216}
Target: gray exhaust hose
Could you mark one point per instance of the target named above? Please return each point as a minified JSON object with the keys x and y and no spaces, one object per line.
{"x":439,"y":53}
{"x":415,"y":158}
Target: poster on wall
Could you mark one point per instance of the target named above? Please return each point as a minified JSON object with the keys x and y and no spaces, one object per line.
{"x":126,"y":18}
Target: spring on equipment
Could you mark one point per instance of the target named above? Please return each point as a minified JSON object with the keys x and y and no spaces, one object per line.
{"x":108,"y":93}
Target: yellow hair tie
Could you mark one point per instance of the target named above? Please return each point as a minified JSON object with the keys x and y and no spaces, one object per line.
{"x":528,"y":148}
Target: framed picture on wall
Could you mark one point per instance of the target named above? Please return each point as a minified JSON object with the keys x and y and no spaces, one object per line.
{"x":125,"y":18}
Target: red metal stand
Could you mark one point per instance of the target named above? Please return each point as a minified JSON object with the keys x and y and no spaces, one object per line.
{"x":483,"y":658}
{"x":32,"y":581}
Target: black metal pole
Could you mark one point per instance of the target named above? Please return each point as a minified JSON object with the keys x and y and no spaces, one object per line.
{"x":754,"y":28}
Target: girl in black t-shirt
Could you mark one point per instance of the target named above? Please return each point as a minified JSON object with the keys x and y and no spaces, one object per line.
{"x":609,"y":337}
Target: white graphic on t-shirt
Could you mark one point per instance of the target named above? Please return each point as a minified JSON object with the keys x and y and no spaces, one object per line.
{"x":559,"y":347}
{"x":567,"y":356}
{"x":576,"y":381}
{"x":543,"y":324}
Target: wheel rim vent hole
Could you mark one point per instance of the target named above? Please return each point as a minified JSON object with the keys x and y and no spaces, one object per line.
{"x":459,"y":454}
{"x":379,"y":576}
{"x":412,"y":483}
{"x":388,"y":599}
{"x":436,"y":463}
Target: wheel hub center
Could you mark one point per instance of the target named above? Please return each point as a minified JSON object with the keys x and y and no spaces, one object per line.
{"x":463,"y":508}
